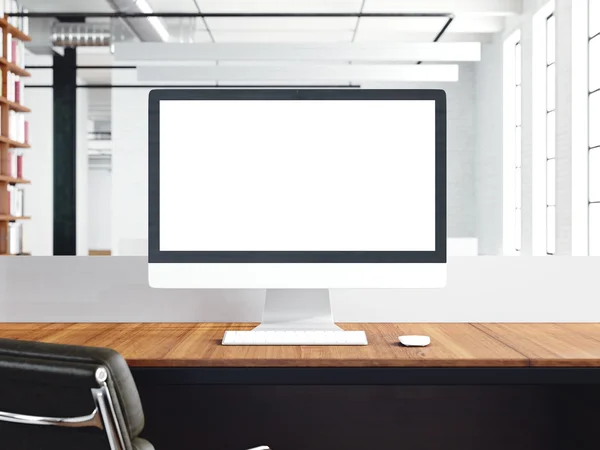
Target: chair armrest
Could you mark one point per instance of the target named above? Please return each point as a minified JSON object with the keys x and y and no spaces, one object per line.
{"x":91,"y":420}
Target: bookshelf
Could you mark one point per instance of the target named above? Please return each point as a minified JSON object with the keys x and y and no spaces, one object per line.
{"x":13,"y":128}
{"x":12,"y":180}
{"x":13,"y":218}
{"x":13,"y":106}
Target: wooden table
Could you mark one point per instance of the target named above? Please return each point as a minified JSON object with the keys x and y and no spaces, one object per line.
{"x":453,"y":345}
{"x":492,"y":386}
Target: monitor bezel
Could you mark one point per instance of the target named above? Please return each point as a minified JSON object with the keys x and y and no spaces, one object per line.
{"x":155,"y":255}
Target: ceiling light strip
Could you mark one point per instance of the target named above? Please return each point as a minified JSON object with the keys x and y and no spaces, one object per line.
{"x":408,"y":52}
{"x":310,"y":73}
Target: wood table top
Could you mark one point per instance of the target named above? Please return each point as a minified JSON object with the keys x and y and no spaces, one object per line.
{"x":551,"y":344}
{"x":452,"y":345}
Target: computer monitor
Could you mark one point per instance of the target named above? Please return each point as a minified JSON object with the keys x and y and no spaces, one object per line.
{"x":297,"y":191}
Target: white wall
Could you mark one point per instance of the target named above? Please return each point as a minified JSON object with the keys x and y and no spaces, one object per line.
{"x":129,"y":166}
{"x":39,"y":160}
{"x":483,"y":289}
{"x":488,"y":180}
{"x":571,"y":127}
{"x":130,"y":162}
{"x":99,"y":207}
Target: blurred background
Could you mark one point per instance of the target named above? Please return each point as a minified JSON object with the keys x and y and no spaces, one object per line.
{"x":522,"y":79}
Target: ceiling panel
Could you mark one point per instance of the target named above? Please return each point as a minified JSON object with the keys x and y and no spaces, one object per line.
{"x":276,"y":6}
{"x":201,"y":36}
{"x":67,"y":5}
{"x":467,"y":37}
{"x":281,"y":24}
{"x":481,"y":7}
{"x":185,"y":6}
{"x":401,"y":24}
{"x":476,"y":24}
{"x":283,"y":36}
{"x":375,"y":36}
{"x":184,"y":29}
{"x":400,"y":29}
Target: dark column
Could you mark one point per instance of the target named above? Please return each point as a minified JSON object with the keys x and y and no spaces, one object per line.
{"x":65,"y":95}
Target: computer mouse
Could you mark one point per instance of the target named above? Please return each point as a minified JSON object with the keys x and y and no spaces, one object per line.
{"x":415,"y":341}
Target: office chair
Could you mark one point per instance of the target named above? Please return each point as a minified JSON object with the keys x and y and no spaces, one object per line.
{"x":68,"y":397}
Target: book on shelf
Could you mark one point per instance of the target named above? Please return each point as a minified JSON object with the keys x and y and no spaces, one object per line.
{"x":15,"y":88}
{"x":10,"y":86}
{"x":20,"y":127}
{"x":11,"y":124}
{"x":16,"y":126}
{"x":19,"y":165}
{"x":12,"y":163}
{"x":15,"y":163}
{"x":17,"y":91}
{"x":9,"y":47}
{"x":16,"y":196}
{"x":17,"y":52}
{"x":15,"y":238}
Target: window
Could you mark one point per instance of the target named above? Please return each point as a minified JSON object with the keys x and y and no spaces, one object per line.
{"x":594,"y":132}
{"x":550,"y":136}
{"x":517,"y":148}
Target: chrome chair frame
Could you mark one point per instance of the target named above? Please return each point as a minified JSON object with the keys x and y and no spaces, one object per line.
{"x":103,"y":416}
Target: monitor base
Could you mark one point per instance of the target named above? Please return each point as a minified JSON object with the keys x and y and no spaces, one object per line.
{"x":297,"y":310}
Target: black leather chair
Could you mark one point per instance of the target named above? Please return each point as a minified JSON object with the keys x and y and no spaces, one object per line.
{"x":67,"y":397}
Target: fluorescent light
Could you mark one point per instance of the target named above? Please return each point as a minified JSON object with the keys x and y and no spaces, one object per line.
{"x":372,"y":52}
{"x":154,"y":21}
{"x":159,"y":27}
{"x":144,"y":6}
{"x":309,"y":72}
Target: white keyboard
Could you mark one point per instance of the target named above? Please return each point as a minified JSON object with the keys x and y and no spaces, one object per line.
{"x":295,"y":338}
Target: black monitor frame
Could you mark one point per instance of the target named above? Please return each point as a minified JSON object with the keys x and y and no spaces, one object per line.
{"x":155,"y":255}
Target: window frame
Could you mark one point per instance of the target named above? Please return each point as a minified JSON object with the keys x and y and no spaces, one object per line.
{"x":512,"y":229}
{"x":518,"y":146}
{"x":550,"y":219}
{"x":596,"y":148}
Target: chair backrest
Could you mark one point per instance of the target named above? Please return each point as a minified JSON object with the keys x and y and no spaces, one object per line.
{"x":69,"y":397}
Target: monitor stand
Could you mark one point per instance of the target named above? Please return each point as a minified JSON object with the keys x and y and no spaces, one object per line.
{"x":297,"y":310}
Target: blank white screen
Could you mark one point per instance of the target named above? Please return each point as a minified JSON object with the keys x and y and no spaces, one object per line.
{"x":297,"y":175}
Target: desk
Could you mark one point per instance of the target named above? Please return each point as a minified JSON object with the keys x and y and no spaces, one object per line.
{"x":492,"y":386}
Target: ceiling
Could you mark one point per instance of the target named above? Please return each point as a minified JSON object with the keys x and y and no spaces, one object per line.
{"x":475,"y":19}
